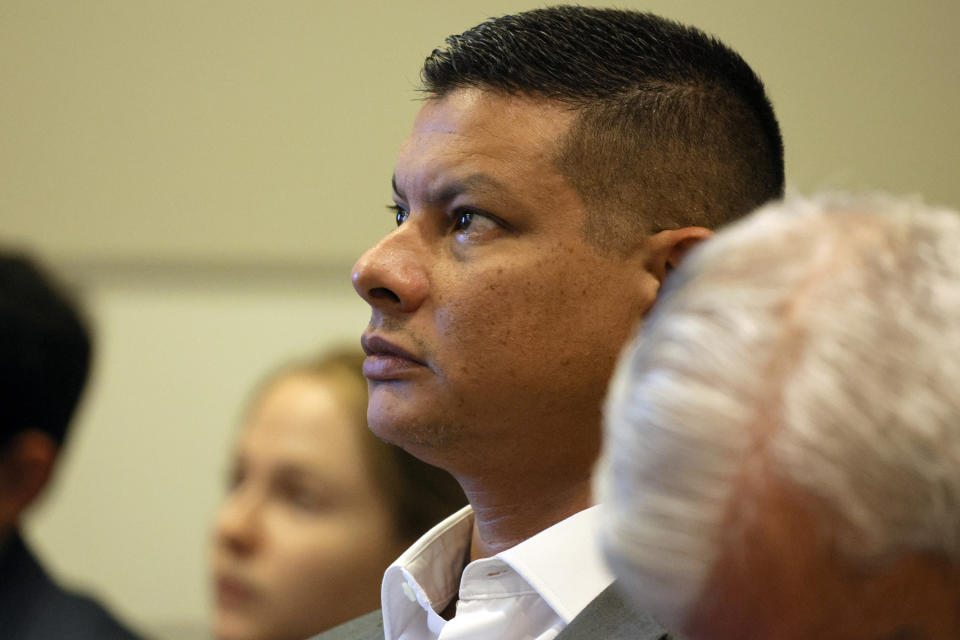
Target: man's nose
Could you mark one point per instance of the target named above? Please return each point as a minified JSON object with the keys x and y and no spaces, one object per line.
{"x":391,"y":275}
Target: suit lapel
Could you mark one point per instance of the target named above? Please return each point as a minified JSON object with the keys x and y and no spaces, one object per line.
{"x":608,"y":617}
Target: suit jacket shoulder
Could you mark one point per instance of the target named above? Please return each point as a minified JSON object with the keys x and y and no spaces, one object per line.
{"x":608,"y":617}
{"x":366,"y":627}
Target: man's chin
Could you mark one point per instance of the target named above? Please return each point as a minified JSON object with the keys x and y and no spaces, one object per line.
{"x":410,"y":429}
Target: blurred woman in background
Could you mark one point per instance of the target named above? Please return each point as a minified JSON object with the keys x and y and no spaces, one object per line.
{"x":317,"y":507}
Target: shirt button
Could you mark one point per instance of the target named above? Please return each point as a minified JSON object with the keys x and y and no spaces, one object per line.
{"x":409,"y":592}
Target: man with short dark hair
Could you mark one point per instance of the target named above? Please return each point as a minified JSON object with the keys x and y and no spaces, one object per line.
{"x":563,"y":162}
{"x":44,"y":359}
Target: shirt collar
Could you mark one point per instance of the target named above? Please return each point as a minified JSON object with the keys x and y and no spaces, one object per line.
{"x":427,"y":575}
{"x":568,"y":586}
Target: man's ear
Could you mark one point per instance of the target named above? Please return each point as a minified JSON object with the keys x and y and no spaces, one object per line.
{"x":26,"y":465}
{"x":668,"y":248}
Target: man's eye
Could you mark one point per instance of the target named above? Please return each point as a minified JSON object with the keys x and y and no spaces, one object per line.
{"x":473,"y":224}
{"x":464,"y":221}
{"x":400,"y":213}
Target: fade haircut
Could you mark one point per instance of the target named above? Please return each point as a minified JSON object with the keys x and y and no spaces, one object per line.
{"x":44,"y":352}
{"x":674,"y":128}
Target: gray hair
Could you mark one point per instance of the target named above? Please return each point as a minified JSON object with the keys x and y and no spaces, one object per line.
{"x":819,"y":336}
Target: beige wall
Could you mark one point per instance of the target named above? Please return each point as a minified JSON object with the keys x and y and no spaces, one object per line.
{"x":230,"y":130}
{"x":208,"y":171}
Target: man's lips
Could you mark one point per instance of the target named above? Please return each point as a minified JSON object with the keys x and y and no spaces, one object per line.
{"x":385,"y":360}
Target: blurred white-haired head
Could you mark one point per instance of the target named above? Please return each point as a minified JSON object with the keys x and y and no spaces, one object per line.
{"x":790,"y":413}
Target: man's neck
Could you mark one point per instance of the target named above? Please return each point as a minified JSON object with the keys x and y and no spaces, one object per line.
{"x":503,"y":519}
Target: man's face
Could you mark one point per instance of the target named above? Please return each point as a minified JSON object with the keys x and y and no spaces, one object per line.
{"x":494,"y":324}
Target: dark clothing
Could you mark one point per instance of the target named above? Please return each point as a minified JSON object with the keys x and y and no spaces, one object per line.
{"x":607,"y":617}
{"x":32,"y":607}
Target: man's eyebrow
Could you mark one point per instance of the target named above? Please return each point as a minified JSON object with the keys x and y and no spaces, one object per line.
{"x":447,"y":191}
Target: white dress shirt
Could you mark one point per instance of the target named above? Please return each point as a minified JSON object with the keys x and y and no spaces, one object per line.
{"x":528,"y":592}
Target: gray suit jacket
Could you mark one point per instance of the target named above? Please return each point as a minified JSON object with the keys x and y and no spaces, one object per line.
{"x":607,"y":617}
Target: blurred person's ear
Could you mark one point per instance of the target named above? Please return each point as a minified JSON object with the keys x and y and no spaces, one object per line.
{"x":26,"y":465}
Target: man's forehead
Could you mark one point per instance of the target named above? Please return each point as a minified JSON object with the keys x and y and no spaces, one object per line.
{"x":476,"y":108}
{"x":444,"y":188}
{"x":475,"y":139}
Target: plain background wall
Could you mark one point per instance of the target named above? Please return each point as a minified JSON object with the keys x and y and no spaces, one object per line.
{"x":206,"y":173}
